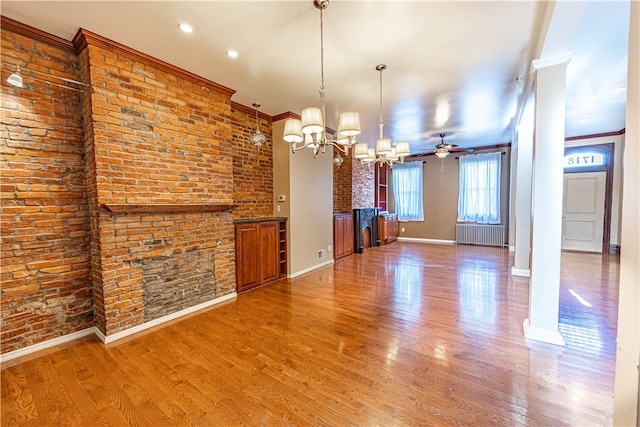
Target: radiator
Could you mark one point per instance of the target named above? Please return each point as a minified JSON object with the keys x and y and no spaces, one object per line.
{"x":480,"y":234}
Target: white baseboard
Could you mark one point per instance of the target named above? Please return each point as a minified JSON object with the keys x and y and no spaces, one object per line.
{"x":541,"y":334}
{"x":306,"y":270}
{"x":428,"y":241}
{"x":47,"y":344}
{"x":155,"y":322}
{"x":111,"y":338}
{"x":522,"y":272}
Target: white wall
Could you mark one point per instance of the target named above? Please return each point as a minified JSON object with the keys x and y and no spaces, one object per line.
{"x":307,"y":185}
{"x":311,"y":220}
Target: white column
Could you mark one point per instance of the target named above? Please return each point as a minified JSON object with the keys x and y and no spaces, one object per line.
{"x":625,"y":407}
{"x":548,"y":152}
{"x":521,"y":258}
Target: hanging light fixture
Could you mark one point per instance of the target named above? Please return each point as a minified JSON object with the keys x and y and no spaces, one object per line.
{"x":310,"y":131}
{"x":15,"y":79}
{"x":385,"y":152}
{"x":258,"y":137}
{"x":442,"y":149}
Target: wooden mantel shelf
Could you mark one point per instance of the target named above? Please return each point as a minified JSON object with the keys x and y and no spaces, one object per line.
{"x":125,"y":208}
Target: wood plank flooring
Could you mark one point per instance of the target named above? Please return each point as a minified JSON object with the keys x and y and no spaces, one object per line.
{"x":405,"y":334}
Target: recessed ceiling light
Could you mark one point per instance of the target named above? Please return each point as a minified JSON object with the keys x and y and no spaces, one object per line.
{"x":232,"y":54}
{"x":186,"y":28}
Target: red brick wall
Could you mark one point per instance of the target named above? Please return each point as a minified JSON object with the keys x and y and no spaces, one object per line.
{"x":160,"y":143}
{"x":353,"y":186}
{"x":342,"y":180}
{"x":252,"y":167}
{"x":150,"y":136}
{"x":362,"y":186}
{"x":46,"y":287}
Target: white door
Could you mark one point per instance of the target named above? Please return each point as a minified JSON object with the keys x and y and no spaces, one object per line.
{"x":583,"y":211}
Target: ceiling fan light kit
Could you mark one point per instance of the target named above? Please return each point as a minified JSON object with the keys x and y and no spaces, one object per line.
{"x":442,"y":149}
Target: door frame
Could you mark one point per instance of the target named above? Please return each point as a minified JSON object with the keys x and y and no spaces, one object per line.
{"x":607,"y":150}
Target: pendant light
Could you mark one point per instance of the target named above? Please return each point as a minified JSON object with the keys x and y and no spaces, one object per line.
{"x":258,"y":137}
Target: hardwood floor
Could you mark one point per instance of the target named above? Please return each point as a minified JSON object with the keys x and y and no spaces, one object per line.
{"x":406,"y":334}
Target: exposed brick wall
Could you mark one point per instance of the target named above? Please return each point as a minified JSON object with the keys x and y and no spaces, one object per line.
{"x":46,"y":286}
{"x":342,"y":179}
{"x":155,"y":138}
{"x":252,"y":167}
{"x":362,"y":186}
{"x":148,"y":136}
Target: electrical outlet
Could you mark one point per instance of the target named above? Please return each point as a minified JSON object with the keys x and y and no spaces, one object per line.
{"x":278,"y":208}
{"x":402,"y":229}
{"x":329,"y":248}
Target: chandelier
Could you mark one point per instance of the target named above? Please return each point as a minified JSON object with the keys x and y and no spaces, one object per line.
{"x":258,"y":137}
{"x":385,"y":152}
{"x":310,"y":131}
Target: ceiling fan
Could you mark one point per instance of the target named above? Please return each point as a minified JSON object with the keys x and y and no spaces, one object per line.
{"x":442,"y":150}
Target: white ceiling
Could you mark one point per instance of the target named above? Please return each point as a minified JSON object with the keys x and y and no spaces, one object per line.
{"x":452,"y":66}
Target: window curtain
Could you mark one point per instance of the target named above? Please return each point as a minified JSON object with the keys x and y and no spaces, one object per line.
{"x":479,"y":192}
{"x":407,"y":191}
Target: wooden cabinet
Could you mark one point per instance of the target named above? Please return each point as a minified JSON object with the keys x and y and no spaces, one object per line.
{"x":389,"y":228}
{"x":261,"y":253}
{"x":342,"y":235}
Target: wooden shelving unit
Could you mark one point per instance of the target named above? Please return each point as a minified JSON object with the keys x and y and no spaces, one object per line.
{"x":282,"y":234}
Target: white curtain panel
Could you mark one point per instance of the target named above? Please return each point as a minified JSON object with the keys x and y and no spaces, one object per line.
{"x":407,"y":191}
{"x":479,"y":195}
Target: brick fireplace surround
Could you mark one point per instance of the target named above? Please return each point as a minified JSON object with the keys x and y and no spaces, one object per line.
{"x":118,"y":201}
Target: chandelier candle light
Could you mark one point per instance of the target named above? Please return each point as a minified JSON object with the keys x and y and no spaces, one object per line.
{"x":310,"y":131}
{"x":384,"y":153}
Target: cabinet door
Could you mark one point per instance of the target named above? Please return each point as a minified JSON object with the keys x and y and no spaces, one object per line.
{"x":395,"y":228}
{"x":384,"y":229}
{"x":348,"y":235}
{"x":269,"y":252}
{"x":338,"y":236}
{"x":247,"y":256}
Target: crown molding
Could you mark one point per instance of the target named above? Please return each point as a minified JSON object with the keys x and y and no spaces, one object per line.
{"x":287,"y":115}
{"x":85,"y":38}
{"x":250,"y":110}
{"x":596,"y":135}
{"x":25,"y":30}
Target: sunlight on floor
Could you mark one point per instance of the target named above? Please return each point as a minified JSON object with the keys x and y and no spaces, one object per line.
{"x":579,"y":298}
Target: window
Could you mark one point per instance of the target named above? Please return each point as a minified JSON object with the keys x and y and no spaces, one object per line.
{"x":407,"y":191}
{"x":479,"y":193}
